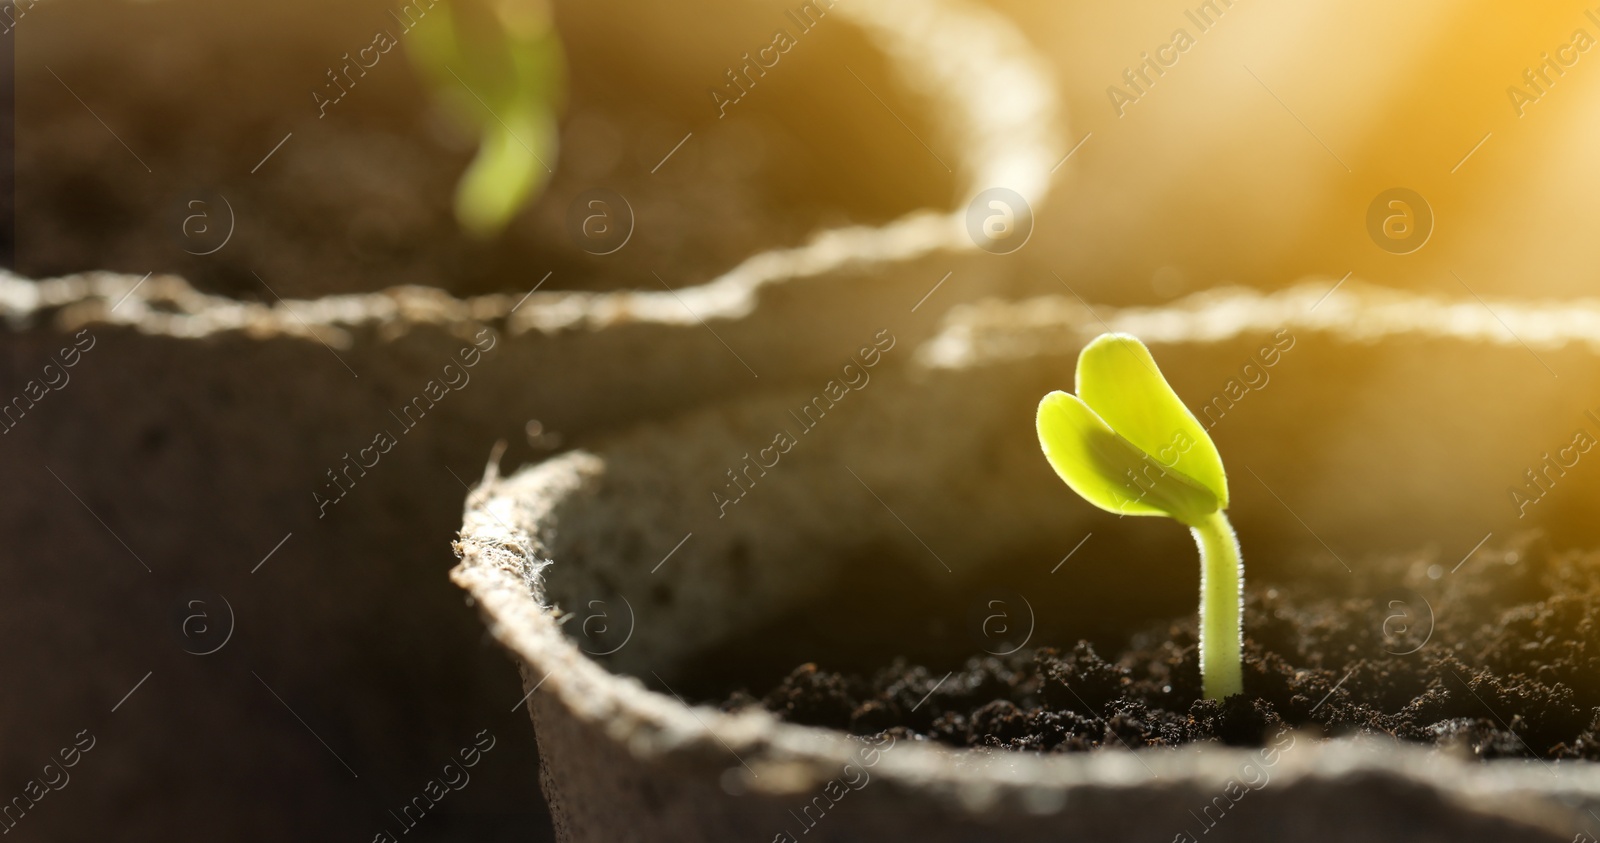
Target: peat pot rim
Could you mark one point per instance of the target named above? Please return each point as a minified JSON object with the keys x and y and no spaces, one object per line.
{"x":503,"y":569}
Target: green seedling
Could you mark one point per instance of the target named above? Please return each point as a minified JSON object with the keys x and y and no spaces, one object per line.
{"x":498,"y":67}
{"x":1128,"y":445}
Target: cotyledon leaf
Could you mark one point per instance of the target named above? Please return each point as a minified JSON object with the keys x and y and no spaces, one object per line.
{"x":1109,"y":471}
{"x":1118,"y":379}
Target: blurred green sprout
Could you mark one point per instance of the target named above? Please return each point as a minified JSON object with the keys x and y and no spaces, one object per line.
{"x":497,"y":66}
{"x":1127,"y":444}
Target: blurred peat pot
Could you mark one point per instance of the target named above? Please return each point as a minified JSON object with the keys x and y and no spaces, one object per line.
{"x":283,"y":430}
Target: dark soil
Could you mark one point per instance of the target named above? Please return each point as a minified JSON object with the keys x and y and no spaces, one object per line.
{"x":1509,"y":666}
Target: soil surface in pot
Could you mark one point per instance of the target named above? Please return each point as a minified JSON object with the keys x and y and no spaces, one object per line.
{"x":359,"y":196}
{"x":1497,"y":659}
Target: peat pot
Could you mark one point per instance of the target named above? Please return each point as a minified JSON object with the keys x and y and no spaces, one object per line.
{"x":638,"y":579}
